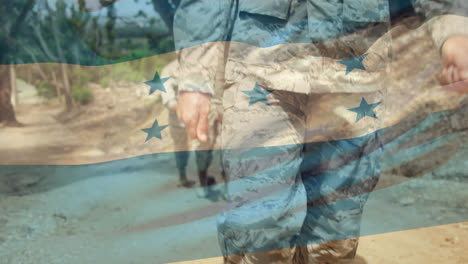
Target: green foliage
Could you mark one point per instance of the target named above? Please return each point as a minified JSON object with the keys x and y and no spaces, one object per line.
{"x":105,"y":82}
{"x":13,"y":20}
{"x":110,"y":32}
{"x":65,"y":31}
{"x":82,"y":95}
{"x":165,"y":45}
{"x":82,"y":76}
{"x":128,"y":72}
{"x":138,"y":53}
{"x":45,"y":89}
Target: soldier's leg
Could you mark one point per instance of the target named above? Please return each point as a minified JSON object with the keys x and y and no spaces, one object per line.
{"x":181,"y":162}
{"x":204,"y":155}
{"x":331,"y":229}
{"x":225,"y":193}
{"x":339,"y":251}
{"x":203,"y":159}
{"x":338,"y":174}
{"x":181,"y":148}
{"x":262,"y":154}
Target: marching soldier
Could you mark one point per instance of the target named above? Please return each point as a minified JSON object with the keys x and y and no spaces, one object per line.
{"x":298,"y":71}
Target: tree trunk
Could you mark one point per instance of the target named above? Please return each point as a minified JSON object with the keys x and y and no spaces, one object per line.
{"x":57,"y":86}
{"x":41,"y":72}
{"x":112,"y":76}
{"x":29,"y":69}
{"x":63,"y":67}
{"x":7,"y":113}
{"x":66,"y":87}
{"x":14,"y":90}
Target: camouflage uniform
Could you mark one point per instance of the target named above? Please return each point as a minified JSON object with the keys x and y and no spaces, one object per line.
{"x":204,"y":151}
{"x":293,"y":48}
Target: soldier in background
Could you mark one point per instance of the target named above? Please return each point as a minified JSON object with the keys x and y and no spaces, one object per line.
{"x":203,"y":150}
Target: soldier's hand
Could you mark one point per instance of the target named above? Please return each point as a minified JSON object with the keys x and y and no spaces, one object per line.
{"x":454,"y":74}
{"x":193,"y":109}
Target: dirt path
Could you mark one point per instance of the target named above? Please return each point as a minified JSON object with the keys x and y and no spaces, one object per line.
{"x":41,"y":139}
{"x":440,"y":244}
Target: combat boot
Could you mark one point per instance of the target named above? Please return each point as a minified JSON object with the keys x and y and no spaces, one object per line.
{"x":183,"y":181}
{"x":205,"y":183}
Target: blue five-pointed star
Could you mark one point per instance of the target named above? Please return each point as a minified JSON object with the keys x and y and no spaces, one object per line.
{"x":154,"y":131}
{"x":258,"y":95}
{"x":355,"y":63}
{"x":157,"y":83}
{"x":365,"y":109}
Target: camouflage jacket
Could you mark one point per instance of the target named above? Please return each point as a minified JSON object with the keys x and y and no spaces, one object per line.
{"x":294,"y":45}
{"x":169,"y":98}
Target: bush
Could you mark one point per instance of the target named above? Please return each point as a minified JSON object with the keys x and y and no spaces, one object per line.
{"x":105,"y":82}
{"x":165,"y":45}
{"x":125,"y":72}
{"x":45,"y":89}
{"x":82,"y":95}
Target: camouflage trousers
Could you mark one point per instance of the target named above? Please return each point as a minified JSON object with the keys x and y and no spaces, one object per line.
{"x":279,"y":210}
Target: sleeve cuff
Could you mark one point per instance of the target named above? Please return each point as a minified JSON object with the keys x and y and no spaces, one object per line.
{"x":196,"y":84}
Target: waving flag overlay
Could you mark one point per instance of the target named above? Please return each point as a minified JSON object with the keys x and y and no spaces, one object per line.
{"x":340,"y":123}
